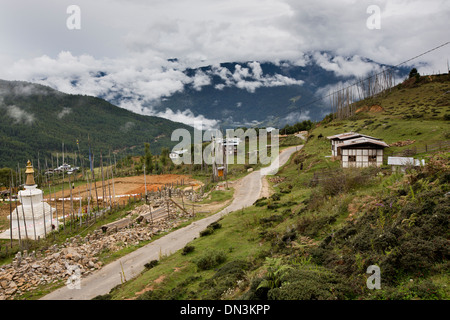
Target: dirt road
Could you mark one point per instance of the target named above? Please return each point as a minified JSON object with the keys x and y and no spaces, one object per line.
{"x":247,"y":191}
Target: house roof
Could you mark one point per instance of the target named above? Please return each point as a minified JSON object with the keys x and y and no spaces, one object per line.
{"x":362,"y":140}
{"x":403,"y":161}
{"x":349,"y":135}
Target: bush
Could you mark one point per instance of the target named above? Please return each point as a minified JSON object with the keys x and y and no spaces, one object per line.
{"x":210,"y":229}
{"x":210,"y":259}
{"x":151,"y":264}
{"x":312,"y":284}
{"x":260,"y":202}
{"x":187,"y":249}
{"x":215,"y":225}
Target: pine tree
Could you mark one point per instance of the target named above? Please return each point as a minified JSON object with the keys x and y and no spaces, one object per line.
{"x":148,"y":159}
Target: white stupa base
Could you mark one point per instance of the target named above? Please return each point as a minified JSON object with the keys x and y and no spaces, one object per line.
{"x":33,"y":219}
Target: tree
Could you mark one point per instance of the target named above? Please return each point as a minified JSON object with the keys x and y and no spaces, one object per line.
{"x":5,"y":177}
{"x":414,"y":73}
{"x":164,"y":155}
{"x":148,"y":159}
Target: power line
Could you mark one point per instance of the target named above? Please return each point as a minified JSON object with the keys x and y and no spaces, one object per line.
{"x":374,"y":75}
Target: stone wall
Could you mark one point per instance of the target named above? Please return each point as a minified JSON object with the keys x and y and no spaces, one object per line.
{"x":29,"y":270}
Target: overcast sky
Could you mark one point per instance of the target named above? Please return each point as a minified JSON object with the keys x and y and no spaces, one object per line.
{"x":132,"y":40}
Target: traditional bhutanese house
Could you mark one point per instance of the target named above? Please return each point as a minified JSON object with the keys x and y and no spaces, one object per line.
{"x":361,"y":152}
{"x":400,"y":163}
{"x":337,"y":139}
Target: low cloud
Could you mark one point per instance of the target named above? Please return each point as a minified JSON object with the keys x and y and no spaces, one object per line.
{"x":19,"y":115}
{"x":250,"y":78}
{"x":65,"y":111}
{"x":127,"y":126}
{"x":353,"y":66}
{"x":294,"y":117}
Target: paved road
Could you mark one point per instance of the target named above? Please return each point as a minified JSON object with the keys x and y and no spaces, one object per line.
{"x":247,"y":191}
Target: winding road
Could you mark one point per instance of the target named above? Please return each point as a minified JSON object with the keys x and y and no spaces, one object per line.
{"x":247,"y":191}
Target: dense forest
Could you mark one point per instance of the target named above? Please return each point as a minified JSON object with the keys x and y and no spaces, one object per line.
{"x":38,"y":120}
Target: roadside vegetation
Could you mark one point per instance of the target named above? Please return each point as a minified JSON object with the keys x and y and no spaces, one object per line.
{"x":315,"y":237}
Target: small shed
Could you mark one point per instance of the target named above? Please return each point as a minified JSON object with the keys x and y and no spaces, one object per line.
{"x":401,"y":163}
{"x":361,"y":152}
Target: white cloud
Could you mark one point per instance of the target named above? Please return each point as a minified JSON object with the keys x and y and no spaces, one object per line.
{"x":346,"y":67}
{"x":294,"y":117}
{"x":19,"y":115}
{"x":251,"y":78}
{"x":65,"y":111}
{"x":130,"y":42}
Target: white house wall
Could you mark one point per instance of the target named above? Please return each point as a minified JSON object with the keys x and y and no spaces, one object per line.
{"x":362,"y":157}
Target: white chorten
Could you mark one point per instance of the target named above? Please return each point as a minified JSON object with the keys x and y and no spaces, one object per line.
{"x":34,"y":217}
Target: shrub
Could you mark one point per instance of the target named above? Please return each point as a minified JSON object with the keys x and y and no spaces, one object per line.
{"x":272,"y":218}
{"x":312,"y":284}
{"x":206,"y":232}
{"x":215,"y":225}
{"x":187,"y":249}
{"x":275,"y":196}
{"x":210,"y":229}
{"x":210,"y":259}
{"x":260,"y":202}
{"x":151,"y":264}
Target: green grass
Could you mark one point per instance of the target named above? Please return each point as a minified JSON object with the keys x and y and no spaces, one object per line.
{"x":309,"y":215}
{"x":218,"y":196}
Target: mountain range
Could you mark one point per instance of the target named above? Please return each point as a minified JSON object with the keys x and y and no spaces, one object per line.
{"x":247,"y":94}
{"x":37,"y":119}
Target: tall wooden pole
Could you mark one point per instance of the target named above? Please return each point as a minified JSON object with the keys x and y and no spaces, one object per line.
{"x":71,"y":203}
{"x":103,"y":180}
{"x":63,"y":200}
{"x":10,"y":209}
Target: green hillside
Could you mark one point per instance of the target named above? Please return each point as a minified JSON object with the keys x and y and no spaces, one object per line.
{"x":315,"y":237}
{"x":36,"y":119}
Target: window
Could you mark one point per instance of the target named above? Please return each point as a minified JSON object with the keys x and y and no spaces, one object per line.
{"x":351,"y":158}
{"x":372,"y":159}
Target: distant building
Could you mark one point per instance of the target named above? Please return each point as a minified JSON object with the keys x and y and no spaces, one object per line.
{"x":401,"y":163}
{"x":177,"y":154}
{"x":357,"y":150}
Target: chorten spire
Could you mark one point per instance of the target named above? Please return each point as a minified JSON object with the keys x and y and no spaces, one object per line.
{"x":30,"y":174}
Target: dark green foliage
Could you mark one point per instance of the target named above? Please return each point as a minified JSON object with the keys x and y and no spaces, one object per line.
{"x":312,"y":284}
{"x":275,"y":196}
{"x":210,"y":229}
{"x":406,"y":233}
{"x":311,"y":225}
{"x":215,"y":225}
{"x":103,"y":297}
{"x":109,"y":127}
{"x":148,"y":159}
{"x":305,"y":125}
{"x":260,"y":202}
{"x":206,"y":232}
{"x":151,"y":264}
{"x":187,"y":249}
{"x":210,"y":259}
{"x":425,"y":290}
{"x":414,"y":73}
{"x":271,"y":219}
{"x":225,"y":277}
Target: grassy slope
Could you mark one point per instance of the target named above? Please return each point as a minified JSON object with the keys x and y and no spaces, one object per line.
{"x":316,"y":241}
